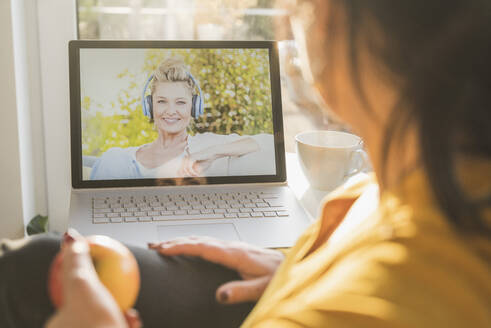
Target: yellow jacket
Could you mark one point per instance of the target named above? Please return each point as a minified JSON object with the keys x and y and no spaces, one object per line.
{"x":403,"y":266}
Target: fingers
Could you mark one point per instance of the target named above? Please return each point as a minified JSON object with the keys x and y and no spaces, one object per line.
{"x":187,"y":167}
{"x":197,"y":168}
{"x":190,"y":167}
{"x":242,"y":290}
{"x":209,"y":249}
{"x":132,"y":318}
{"x":70,"y":236}
{"x":77,"y":265}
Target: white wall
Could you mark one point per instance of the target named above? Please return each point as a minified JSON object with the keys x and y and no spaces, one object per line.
{"x":11,"y":219}
{"x":34,"y":122}
{"x":29,"y":109}
{"x":57,"y":25}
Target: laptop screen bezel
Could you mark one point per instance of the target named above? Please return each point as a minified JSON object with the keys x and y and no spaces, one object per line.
{"x":76,"y":127}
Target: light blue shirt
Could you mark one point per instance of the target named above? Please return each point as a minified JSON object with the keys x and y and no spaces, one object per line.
{"x":121,"y":163}
{"x":116,"y":163}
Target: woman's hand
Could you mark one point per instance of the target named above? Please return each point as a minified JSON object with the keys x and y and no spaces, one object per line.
{"x":87,"y":303}
{"x":195,"y":164}
{"x":255,"y":265}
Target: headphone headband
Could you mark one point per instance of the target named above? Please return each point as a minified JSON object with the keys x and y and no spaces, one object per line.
{"x":198,"y":105}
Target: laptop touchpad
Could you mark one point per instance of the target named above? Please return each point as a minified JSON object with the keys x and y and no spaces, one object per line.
{"x":224,"y":231}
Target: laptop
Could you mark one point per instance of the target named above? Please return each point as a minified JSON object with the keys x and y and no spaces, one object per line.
{"x":180,"y":138}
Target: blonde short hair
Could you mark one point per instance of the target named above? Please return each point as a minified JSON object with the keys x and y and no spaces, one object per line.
{"x":173,"y":69}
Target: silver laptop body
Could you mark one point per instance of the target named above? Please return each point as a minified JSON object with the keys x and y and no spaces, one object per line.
{"x":238,"y":197}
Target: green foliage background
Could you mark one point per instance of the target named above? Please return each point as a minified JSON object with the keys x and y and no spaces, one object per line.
{"x":235,"y":85}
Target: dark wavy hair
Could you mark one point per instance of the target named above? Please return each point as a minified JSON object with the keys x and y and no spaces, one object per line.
{"x":440,"y":51}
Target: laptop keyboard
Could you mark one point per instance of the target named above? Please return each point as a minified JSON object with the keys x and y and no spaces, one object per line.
{"x":229,"y":205}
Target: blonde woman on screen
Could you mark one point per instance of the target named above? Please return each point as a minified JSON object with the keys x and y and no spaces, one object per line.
{"x":172,"y":105}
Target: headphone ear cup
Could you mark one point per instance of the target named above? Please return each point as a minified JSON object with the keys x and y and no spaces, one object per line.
{"x":149,"y":107}
{"x":194,"y":107}
{"x":201,"y":108}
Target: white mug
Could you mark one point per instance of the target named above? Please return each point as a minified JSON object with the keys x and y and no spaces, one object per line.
{"x":328,"y":158}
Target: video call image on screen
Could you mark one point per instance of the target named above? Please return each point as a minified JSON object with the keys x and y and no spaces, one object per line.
{"x":171,"y":113}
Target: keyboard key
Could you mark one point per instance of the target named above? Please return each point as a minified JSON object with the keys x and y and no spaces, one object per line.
{"x":144,"y":219}
{"x":283,"y":213}
{"x":101,"y":220}
{"x":188,"y":217}
{"x":113,"y":215}
{"x":243,"y":215}
{"x":152,"y":213}
{"x":257,"y":215}
{"x":268,"y":209}
{"x":102,"y":210}
{"x":131,"y":219}
{"x":269,"y":214}
{"x":180,"y":212}
{"x":167,"y":212}
{"x":246,"y":210}
{"x":206,"y":211}
{"x":118,"y":210}
{"x":101,"y":215}
{"x":127,"y":214}
{"x":275,"y":203}
{"x":161,"y":217}
{"x":220,"y":210}
{"x":101,"y":206}
{"x":231,"y":215}
{"x":233,"y":210}
{"x":140,"y":213}
{"x":268,"y":193}
{"x":194,"y":212}
{"x":116,"y":220}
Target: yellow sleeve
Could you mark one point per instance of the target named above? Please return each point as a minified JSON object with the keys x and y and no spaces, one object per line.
{"x":385,"y":285}
{"x":324,"y":319}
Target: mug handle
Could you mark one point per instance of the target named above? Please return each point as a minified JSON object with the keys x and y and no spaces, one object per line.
{"x":362,"y":162}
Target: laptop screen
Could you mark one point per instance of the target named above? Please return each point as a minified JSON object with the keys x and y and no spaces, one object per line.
{"x":159,"y":113}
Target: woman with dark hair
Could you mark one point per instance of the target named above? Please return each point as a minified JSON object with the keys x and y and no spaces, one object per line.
{"x":413,"y":79}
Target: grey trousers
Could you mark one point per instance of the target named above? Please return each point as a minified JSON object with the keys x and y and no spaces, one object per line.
{"x":175,"y":291}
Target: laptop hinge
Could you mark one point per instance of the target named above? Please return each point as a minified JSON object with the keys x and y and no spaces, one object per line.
{"x":175,"y":188}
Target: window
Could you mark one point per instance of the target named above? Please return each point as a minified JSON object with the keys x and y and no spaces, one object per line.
{"x":210,"y":20}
